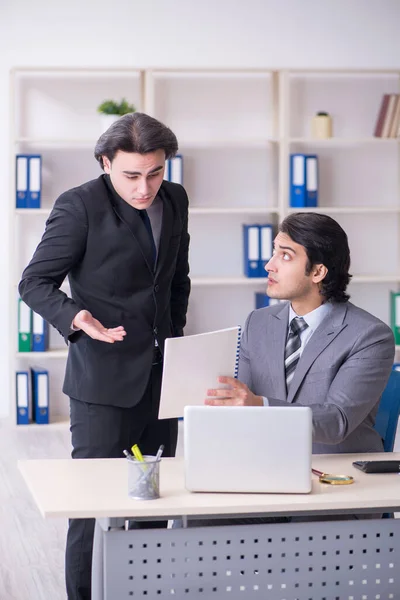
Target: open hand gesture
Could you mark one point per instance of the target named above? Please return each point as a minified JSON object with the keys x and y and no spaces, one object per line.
{"x":93,"y":328}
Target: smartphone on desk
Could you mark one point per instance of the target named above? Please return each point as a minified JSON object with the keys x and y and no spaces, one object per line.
{"x":378,"y":466}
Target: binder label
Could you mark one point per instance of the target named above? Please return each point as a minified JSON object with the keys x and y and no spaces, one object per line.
{"x":38,"y":324}
{"x":253,"y":243}
{"x":22,"y":174}
{"x":311,"y":167}
{"x":176,"y":169}
{"x":397,"y":310}
{"x":22,"y":390}
{"x":34,"y":175}
{"x":266,"y":242}
{"x":24,"y":317}
{"x":298,"y":170}
{"x":42,"y":400}
{"x":167,"y":169}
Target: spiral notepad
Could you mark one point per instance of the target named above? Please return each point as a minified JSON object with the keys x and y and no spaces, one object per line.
{"x":237,"y":351}
{"x":192,"y":365}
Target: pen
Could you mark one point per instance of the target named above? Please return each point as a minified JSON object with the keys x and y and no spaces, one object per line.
{"x":159,"y":452}
{"x":127,"y":454}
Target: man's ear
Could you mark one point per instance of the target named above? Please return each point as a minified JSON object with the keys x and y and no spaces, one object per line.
{"x":106,"y":164}
{"x":319,"y":273}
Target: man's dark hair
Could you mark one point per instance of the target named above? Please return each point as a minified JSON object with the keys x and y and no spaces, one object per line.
{"x":325,"y":243}
{"x":135,"y":132}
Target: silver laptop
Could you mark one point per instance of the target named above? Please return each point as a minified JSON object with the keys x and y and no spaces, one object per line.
{"x":247,"y":449}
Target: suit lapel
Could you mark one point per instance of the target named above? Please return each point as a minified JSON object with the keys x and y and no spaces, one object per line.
{"x":277,"y":332}
{"x":320,"y":339}
{"x":166,"y":230}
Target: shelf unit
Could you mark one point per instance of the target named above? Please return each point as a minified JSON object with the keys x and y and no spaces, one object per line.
{"x":58,"y":423}
{"x":236,"y":129}
{"x":359,"y":174}
{"x":55,"y":116}
{"x":227,"y":125}
{"x":58,"y":353}
{"x":344,"y":141}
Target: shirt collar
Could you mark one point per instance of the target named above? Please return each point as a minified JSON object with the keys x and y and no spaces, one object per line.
{"x":315,"y":317}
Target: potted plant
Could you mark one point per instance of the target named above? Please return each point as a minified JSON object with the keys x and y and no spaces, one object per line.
{"x":110,"y":111}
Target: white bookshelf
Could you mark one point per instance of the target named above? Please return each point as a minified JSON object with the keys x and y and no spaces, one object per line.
{"x":359,"y":174}
{"x":227,"y":126}
{"x":236,"y":129}
{"x":344,"y":141}
{"x":57,"y":142}
{"x":58,"y":353}
{"x":376,"y":279}
{"x":251,"y":210}
{"x":222,"y":281}
{"x":236,"y":144}
{"x":189,"y":102}
{"x":349,"y":210}
{"x":55,"y":116}
{"x":31,"y":212}
{"x":58,"y":423}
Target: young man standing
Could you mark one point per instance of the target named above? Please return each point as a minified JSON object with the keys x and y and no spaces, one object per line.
{"x":317,"y":349}
{"x":123,"y":242}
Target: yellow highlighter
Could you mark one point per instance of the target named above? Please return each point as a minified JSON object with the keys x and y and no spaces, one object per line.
{"x":136,"y":453}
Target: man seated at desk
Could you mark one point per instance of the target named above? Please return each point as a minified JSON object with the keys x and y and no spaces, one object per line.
{"x":317,"y":349}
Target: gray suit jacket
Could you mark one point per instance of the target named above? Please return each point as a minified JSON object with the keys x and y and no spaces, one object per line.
{"x":341,"y":373}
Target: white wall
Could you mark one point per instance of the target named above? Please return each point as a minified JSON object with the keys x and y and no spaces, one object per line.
{"x":182,"y":33}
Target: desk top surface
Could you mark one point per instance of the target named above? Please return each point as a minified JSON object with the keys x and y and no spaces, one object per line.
{"x":98,"y":488}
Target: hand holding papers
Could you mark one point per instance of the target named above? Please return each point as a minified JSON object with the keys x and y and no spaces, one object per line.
{"x":235,"y":393}
{"x":192,"y":365}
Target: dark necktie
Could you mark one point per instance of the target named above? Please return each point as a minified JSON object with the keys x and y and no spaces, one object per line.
{"x":146,"y":221}
{"x":293,"y":345}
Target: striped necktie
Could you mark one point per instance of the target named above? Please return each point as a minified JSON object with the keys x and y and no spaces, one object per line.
{"x":293,"y":346}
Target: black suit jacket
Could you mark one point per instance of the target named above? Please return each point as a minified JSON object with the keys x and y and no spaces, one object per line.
{"x":108,"y":263}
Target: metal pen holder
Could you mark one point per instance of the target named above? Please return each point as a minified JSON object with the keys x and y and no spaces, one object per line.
{"x":144,"y":478}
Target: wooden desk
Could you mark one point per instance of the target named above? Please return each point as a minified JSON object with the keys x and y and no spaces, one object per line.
{"x":280,"y":560}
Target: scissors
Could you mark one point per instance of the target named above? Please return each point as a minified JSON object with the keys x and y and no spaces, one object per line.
{"x":333,"y":479}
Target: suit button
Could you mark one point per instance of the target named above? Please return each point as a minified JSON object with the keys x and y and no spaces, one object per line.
{"x":155,"y":330}
{"x":156,"y":288}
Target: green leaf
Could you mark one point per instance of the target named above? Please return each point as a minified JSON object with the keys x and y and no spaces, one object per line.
{"x":110,"y":107}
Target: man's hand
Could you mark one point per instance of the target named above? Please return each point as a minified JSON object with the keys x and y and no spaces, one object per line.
{"x":237,"y":394}
{"x":94,"y":329}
